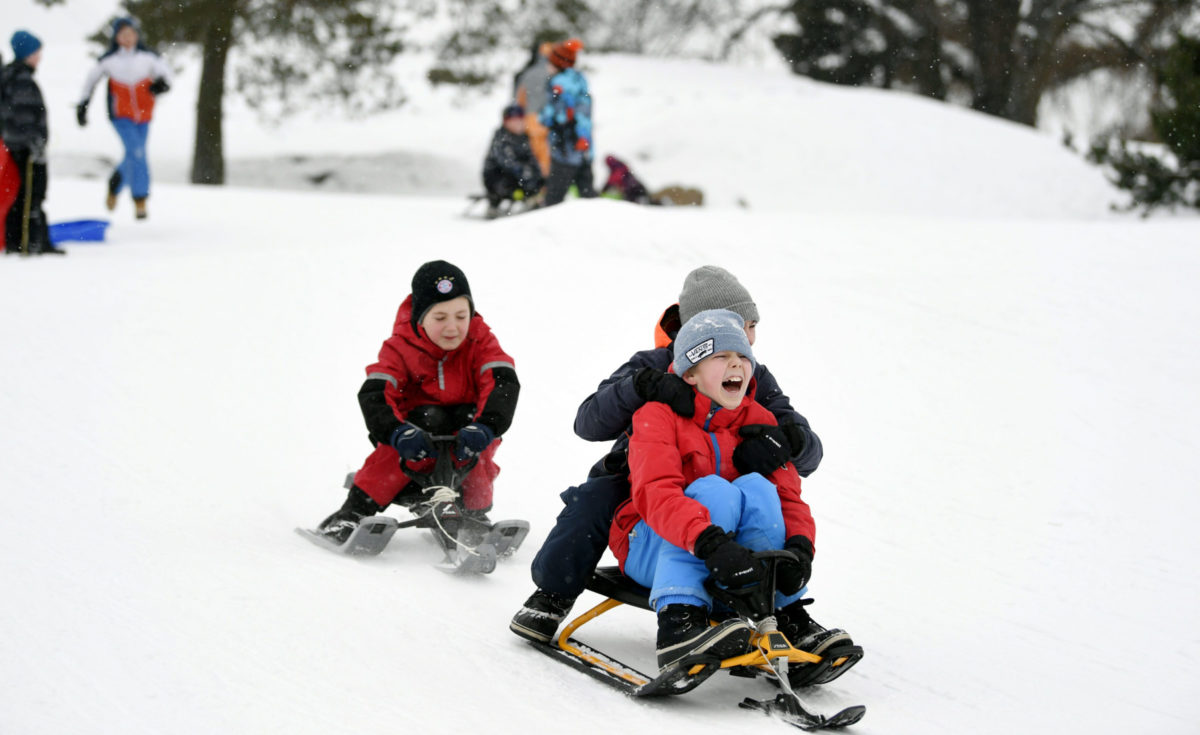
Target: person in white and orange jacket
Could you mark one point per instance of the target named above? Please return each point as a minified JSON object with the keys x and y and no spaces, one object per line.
{"x":136,"y":75}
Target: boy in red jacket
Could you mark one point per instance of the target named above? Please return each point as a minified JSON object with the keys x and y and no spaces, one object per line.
{"x":441,"y":353}
{"x":691,"y":514}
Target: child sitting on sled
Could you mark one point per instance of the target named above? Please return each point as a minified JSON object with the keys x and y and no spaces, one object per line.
{"x":691,"y":514}
{"x":441,"y":354}
{"x":510,"y":170}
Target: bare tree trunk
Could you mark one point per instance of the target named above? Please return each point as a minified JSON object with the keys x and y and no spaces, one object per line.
{"x":208,"y":157}
{"x":993,"y":31}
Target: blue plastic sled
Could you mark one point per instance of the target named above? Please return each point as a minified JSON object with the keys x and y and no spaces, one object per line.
{"x":84,"y":230}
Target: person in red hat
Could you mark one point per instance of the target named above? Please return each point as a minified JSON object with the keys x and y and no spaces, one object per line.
{"x":568,"y":115}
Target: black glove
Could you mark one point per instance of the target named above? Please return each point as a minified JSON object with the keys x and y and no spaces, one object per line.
{"x":412,"y":443}
{"x":81,"y":113}
{"x":158,"y":86}
{"x":797,"y":439}
{"x":764,"y":448}
{"x":791,"y":578}
{"x":668,"y":388}
{"x":471,"y":440}
{"x":731,"y":564}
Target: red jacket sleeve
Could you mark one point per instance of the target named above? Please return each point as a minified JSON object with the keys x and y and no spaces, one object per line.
{"x":797,"y":516}
{"x":656,"y":476}
{"x":496,"y":376}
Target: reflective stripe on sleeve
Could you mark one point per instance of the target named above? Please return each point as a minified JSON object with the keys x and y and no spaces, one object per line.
{"x":492,"y":365}
{"x":384,"y":376}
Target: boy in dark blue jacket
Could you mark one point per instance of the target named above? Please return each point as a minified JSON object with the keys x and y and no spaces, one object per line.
{"x":580,"y":535}
{"x":25,"y":132}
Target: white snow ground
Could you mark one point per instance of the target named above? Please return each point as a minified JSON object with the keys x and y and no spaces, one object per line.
{"x":1003,"y":373}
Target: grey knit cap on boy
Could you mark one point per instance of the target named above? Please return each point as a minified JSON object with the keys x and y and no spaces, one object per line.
{"x":707,"y":333}
{"x":711,"y":287}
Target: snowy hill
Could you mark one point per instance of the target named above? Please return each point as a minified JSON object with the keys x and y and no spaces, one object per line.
{"x":1004,"y":376}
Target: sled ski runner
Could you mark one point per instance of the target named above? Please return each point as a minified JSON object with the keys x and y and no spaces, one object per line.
{"x":472,"y":544}
{"x":769,"y":654}
{"x":370,"y":538}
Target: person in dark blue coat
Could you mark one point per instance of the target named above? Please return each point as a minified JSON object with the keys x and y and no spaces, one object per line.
{"x":24,"y":129}
{"x":578,"y":540}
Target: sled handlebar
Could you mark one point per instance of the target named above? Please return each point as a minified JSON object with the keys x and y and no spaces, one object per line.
{"x":756,"y":601}
{"x":444,"y":473}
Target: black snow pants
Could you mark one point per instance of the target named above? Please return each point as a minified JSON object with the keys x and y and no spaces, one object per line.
{"x":562,"y":175}
{"x":580,"y":535}
{"x":33,"y":187}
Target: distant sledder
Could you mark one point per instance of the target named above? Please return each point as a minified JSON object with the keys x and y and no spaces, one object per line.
{"x":435,"y":403}
{"x":746,"y":641}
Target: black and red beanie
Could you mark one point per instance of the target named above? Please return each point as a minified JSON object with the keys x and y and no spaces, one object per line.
{"x":435,"y":282}
{"x":563,"y":54}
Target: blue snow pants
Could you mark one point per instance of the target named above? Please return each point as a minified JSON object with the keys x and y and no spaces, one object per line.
{"x":134,"y":170}
{"x":748,"y":506}
{"x":579,"y":538}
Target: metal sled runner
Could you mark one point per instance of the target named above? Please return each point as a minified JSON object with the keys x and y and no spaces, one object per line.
{"x":770,"y":651}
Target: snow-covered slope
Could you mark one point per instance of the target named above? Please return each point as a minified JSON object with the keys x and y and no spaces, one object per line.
{"x":1006,"y":507}
{"x":1006,"y":389}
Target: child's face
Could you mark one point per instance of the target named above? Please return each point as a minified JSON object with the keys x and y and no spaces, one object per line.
{"x":750,"y":329}
{"x":515,"y":125}
{"x":447,"y":323}
{"x":127,"y":37}
{"x":724,"y":377}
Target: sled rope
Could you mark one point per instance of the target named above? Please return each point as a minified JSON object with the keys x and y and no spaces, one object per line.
{"x":442,"y":494}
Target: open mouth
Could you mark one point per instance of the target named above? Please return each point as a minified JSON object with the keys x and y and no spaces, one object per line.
{"x":732,"y":385}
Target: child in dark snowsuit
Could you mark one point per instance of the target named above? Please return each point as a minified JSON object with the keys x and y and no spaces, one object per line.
{"x":510,"y":165}
{"x":441,"y":353}
{"x":25,"y":132}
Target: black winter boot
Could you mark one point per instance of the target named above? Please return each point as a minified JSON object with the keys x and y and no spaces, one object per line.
{"x":342,"y":523}
{"x":114,"y":188}
{"x":539,"y":617}
{"x":683,"y":631}
{"x":808,"y":635}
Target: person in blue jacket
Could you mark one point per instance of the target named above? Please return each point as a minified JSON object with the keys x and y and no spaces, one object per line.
{"x":568,"y":115}
{"x":578,"y":540}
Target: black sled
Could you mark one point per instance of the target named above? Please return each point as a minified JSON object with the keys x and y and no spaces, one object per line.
{"x":507,"y":208}
{"x":770,"y":651}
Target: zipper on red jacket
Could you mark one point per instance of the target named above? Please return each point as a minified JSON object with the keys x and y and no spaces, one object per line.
{"x":441,"y":374}
{"x":713,"y":438}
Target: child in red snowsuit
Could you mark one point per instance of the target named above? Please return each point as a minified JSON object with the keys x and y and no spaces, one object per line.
{"x":691,"y":513}
{"x":441,"y":354}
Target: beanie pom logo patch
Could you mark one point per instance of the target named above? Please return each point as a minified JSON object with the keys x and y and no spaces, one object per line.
{"x":700,"y":351}
{"x":445,"y":285}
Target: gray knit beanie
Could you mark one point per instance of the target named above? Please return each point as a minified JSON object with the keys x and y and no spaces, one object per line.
{"x":707,"y":333}
{"x":711,"y":287}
